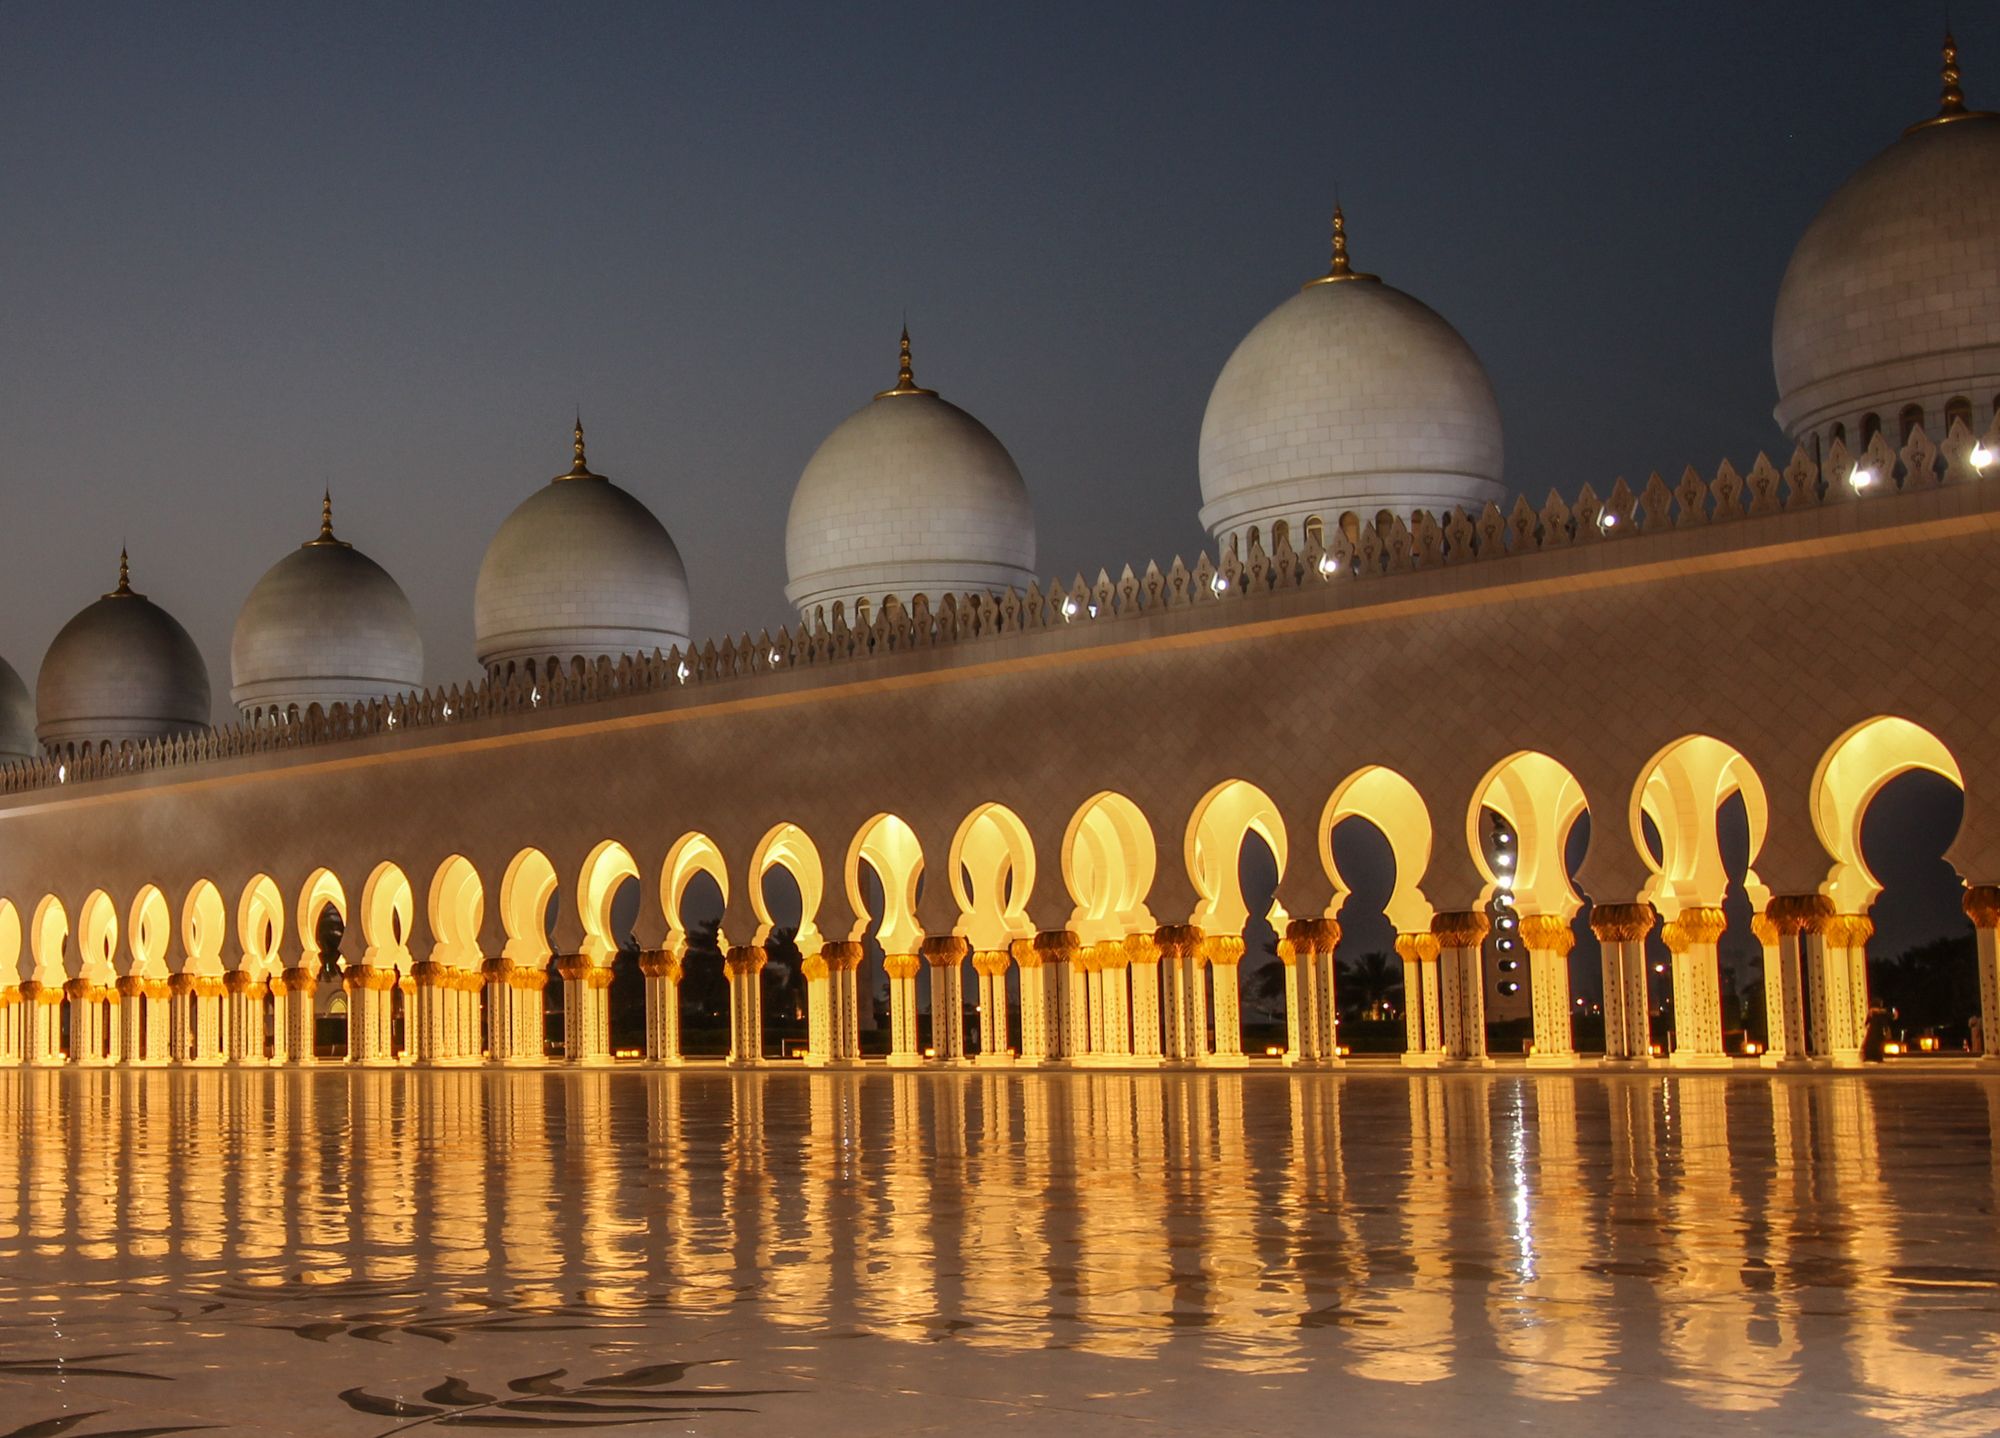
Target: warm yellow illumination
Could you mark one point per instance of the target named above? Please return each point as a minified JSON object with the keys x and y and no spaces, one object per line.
{"x":1892,"y":1049}
{"x":1272,"y":1051}
{"x":1981,"y":456}
{"x":1861,"y":479}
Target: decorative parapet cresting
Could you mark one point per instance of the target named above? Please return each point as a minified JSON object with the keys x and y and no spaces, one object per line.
{"x":1357,"y":551}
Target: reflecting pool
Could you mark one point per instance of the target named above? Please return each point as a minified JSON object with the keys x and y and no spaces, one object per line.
{"x":361,"y":1253}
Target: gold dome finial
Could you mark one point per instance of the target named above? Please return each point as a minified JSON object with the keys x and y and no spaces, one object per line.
{"x":578,"y":469}
{"x":1341,"y":269}
{"x":326,"y":539}
{"x":124,"y":589}
{"x":1951,"y":99}
{"x":906,"y":380}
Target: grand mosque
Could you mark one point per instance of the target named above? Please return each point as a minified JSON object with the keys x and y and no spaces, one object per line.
{"x":1030,"y":796}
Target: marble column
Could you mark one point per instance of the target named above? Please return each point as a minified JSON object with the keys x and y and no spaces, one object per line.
{"x":1176,"y":944}
{"x":1461,"y":985}
{"x":586,"y":1010}
{"x":1423,"y":1012}
{"x":1621,"y":931}
{"x":43,"y":1023}
{"x":1982,"y":906}
{"x":661,"y":969}
{"x":1311,"y":1024}
{"x":990,"y":967}
{"x":1036,"y":1039}
{"x":296,"y":1008}
{"x":244,"y":996}
{"x":1142,"y":969}
{"x":902,"y":970}
{"x":11,"y":1038}
{"x":843,"y":1000}
{"x":1844,"y":982}
{"x":1224,"y":956}
{"x":744,"y":966}
{"x":1781,"y":929}
{"x":369,"y":1039}
{"x":1549,"y":939}
{"x":945,"y":957}
{"x":1690,"y":937}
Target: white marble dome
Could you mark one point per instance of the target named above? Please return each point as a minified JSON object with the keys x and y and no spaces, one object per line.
{"x":1891,"y":302}
{"x":325,"y":625}
{"x":1349,"y":396}
{"x":909,"y":495}
{"x":17,"y":718}
{"x":580,"y":569}
{"x":122,"y":670}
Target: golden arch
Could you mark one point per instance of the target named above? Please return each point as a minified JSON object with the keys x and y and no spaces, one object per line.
{"x":790,"y":848}
{"x":992,"y":870}
{"x":204,"y":927}
{"x":321,"y":890}
{"x":10,"y":944}
{"x":48,"y":937}
{"x":146,"y":933}
{"x":1227,"y":814}
{"x":96,"y":937}
{"x":610,"y":864}
{"x":1850,"y":775}
{"x":260,"y":925}
{"x":525,"y":891}
{"x":1541,"y":801}
{"x":457,"y":907}
{"x":1384,"y":798}
{"x":691,"y":854}
{"x":1681,"y":790}
{"x":890,"y":847}
{"x":1108,"y":859}
{"x":388,"y":905}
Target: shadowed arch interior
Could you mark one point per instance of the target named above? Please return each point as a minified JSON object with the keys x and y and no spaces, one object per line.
{"x":1383,"y":798}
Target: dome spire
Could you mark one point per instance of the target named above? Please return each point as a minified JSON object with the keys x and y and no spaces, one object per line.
{"x":1341,"y":269}
{"x":124,"y":589}
{"x":906,"y":380}
{"x":578,"y":469}
{"x":326,"y":539}
{"x":1951,"y":99}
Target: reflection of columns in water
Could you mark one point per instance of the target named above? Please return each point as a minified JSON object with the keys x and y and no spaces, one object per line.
{"x":1415,"y":1343}
{"x":1621,"y":931}
{"x":945,"y":957}
{"x":1124,"y":1266}
{"x":798,"y":1275}
{"x":744,"y":967}
{"x":1553,"y":1321}
{"x":253,"y":1117}
{"x":451,"y":1143}
{"x":1327,"y":1251}
{"x":518,"y":1152}
{"x":1461,"y":985}
{"x":1423,"y":1013}
{"x":610,"y":1243}
{"x":990,"y":967}
{"x":1690,"y":937}
{"x":198,"y":1159}
{"x":90,"y":1131}
{"x":894,"y":1269}
{"x":1004,"y":1254}
{"x":382,"y":1172}
{"x":45,"y":1158}
{"x":1223,"y":954}
{"x":145,"y":1150}
{"x":1261,"y":1325}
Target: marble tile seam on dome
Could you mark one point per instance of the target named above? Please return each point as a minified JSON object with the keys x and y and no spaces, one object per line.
{"x":1179,"y":606}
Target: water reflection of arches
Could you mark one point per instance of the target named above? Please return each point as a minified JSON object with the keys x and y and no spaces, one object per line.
{"x":1539,"y":801}
{"x":1226,"y":816}
{"x":889,"y":847}
{"x":1681,"y":794}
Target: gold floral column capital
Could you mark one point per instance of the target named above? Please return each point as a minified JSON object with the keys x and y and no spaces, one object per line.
{"x":1982,"y":905}
{"x":1800,"y":913}
{"x":945,"y":951}
{"x":1849,"y":931}
{"x":1411,"y":948}
{"x":991,"y":963}
{"x":1547,"y":933}
{"x":902,"y":966}
{"x":1463,"y":930}
{"x":1697,"y":925}
{"x":1622,"y":923}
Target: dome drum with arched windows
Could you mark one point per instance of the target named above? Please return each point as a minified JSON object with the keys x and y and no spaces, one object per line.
{"x":122,"y":671}
{"x":909,"y":495}
{"x":1889,"y":312}
{"x":1350,"y":397}
{"x":325,"y":625}
{"x":580,"y":570}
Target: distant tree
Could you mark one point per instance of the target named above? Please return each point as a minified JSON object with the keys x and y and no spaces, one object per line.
{"x":704,"y":987}
{"x":1931,"y":986}
{"x":784,"y":976}
{"x":1370,"y":986}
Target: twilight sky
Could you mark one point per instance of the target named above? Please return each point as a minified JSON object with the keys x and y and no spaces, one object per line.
{"x":254,"y":250}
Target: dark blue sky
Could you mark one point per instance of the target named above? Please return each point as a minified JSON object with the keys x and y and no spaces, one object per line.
{"x":254,"y":250}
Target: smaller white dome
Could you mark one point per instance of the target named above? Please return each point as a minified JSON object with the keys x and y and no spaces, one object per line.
{"x":909,"y":495}
{"x":1349,"y":396}
{"x":17,"y":718}
{"x":580,"y":569}
{"x":325,"y":625}
{"x":122,"y":670}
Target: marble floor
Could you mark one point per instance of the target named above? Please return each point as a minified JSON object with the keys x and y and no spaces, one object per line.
{"x":349,"y":1253}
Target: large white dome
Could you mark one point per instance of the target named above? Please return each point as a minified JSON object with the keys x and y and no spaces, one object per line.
{"x":579,"y":569}
{"x":1349,"y":396}
{"x":325,"y":625}
{"x":17,"y":718}
{"x":909,"y":495}
{"x":1892,"y":299}
{"x":123,"y":669}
